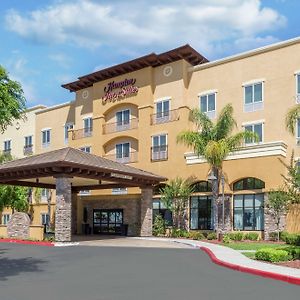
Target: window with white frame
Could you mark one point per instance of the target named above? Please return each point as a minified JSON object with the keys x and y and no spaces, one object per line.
{"x":45,"y":195}
{"x":67,"y":127}
{"x":208,"y":104}
{"x":123,"y":119}
{"x":255,"y":128}
{"x":87,"y":149}
{"x":45,"y":218}
{"x":28,"y":141}
{"x":298,"y":87}
{"x":46,"y":137}
{"x":253,"y":97}
{"x":163,"y":111}
{"x":159,"y":149}
{"x":5,"y":218}
{"x":123,"y":152}
{"x":7,"y":146}
{"x":88,"y":126}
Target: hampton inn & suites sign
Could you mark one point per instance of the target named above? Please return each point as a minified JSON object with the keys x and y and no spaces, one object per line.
{"x":119,"y":90}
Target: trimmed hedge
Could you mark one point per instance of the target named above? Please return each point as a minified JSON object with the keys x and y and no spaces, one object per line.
{"x":212,"y":236}
{"x":236,"y":236}
{"x":292,"y":239}
{"x":196,"y":235}
{"x":251,"y":236}
{"x":273,"y":255}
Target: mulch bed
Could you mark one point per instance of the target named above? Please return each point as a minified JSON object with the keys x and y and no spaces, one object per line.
{"x":291,"y":264}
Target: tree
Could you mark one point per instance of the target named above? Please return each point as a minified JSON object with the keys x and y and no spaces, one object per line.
{"x":291,"y":119}
{"x":277,"y":203}
{"x":12,"y":100}
{"x":214,"y":141}
{"x":175,"y":196}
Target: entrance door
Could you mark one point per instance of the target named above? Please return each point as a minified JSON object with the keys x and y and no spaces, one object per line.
{"x":107,"y":221}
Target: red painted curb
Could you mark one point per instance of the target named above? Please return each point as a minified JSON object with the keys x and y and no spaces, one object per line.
{"x":48,"y":244}
{"x":276,"y":276}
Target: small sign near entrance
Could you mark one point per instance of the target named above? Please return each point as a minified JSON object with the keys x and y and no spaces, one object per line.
{"x":125,"y":88}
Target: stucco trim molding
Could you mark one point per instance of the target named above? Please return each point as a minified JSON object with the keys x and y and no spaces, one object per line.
{"x":260,"y":150}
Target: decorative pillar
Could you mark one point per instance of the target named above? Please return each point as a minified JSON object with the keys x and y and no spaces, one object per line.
{"x":63,"y":211}
{"x":146,"y":211}
{"x":74,"y":213}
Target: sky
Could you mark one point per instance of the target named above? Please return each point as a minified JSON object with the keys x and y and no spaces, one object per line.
{"x":46,"y":43}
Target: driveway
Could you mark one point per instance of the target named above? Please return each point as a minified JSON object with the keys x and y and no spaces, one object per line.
{"x":127,"y":273}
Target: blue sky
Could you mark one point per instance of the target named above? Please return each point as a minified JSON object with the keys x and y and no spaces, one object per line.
{"x":47,"y":43}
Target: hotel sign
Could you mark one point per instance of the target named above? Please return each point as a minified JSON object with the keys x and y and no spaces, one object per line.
{"x":115,"y":91}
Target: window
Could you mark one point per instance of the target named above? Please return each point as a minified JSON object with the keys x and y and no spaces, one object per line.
{"x":87,"y":149}
{"x":298,"y":132}
{"x":201,"y":187}
{"x":5,"y":218}
{"x":208,"y":105}
{"x":159,"y":150}
{"x":7,"y":146}
{"x":46,"y":137}
{"x":28,"y":141}
{"x":162,"y":111}
{"x":248,"y":212}
{"x":119,"y":191}
{"x":201,"y":212}
{"x":67,"y":127}
{"x":159,"y":208}
{"x":253,"y":97}
{"x":256,"y":128}
{"x":123,"y":152}
{"x":45,"y":195}
{"x":45,"y":219}
{"x":88,"y":126}
{"x":298,"y":88}
{"x":123,"y":120}
{"x":249,"y":183}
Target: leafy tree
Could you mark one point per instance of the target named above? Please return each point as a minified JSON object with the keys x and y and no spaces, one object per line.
{"x":12,"y":100}
{"x":175,"y":196}
{"x":214,"y":141}
{"x":291,"y":118}
{"x":278,"y":202}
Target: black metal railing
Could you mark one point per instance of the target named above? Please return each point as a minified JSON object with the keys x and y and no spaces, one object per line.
{"x":124,"y":158}
{"x":82,"y":133}
{"x":164,"y":117}
{"x":28,"y":150}
{"x":159,"y":153}
{"x":120,"y":126}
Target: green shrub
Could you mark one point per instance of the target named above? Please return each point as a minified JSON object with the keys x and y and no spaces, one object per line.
{"x":205,"y":233}
{"x":212,"y":236}
{"x":273,"y":236}
{"x":175,"y":233}
{"x":226,"y":239}
{"x":272,"y":255}
{"x":283,"y":235}
{"x":196,"y":235}
{"x":236,"y":236}
{"x":159,"y":226}
{"x":251,"y":236}
{"x":293,"y":239}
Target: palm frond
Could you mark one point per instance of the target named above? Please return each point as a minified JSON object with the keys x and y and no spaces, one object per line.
{"x":225,"y":123}
{"x":291,"y":118}
{"x":202,"y":121}
{"x":236,"y":141}
{"x":215,"y":152}
{"x":192,"y":139}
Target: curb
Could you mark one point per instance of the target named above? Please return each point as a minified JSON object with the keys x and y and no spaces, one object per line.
{"x":276,"y":276}
{"x":37,"y":243}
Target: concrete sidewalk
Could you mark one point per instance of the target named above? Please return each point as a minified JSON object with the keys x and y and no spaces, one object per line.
{"x":233,"y":259}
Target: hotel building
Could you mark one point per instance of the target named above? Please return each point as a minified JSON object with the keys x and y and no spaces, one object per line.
{"x":132,"y":113}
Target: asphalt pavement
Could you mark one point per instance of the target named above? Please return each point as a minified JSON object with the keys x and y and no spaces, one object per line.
{"x":112,"y":273}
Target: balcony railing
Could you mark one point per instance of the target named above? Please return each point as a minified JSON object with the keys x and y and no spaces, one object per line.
{"x":159,"y":153}
{"x":82,"y":133}
{"x":126,"y":158}
{"x":28,"y":150}
{"x":164,"y":117}
{"x":6,"y":152}
{"x":120,"y":126}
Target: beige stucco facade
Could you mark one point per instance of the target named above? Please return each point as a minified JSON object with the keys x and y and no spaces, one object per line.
{"x":182,"y":84}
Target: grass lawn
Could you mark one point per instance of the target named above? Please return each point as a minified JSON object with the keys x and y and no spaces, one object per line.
{"x":252,"y":246}
{"x":249,"y":254}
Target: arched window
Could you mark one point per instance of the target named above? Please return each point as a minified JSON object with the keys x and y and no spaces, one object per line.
{"x":249,"y":183}
{"x":202,"y":187}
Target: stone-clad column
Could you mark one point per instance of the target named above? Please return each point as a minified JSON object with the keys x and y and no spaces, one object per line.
{"x":63,"y":211}
{"x":146,"y":211}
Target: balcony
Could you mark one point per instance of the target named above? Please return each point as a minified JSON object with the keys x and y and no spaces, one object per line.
{"x":120,"y":126}
{"x":7,"y":152}
{"x":126,"y":158}
{"x":159,"y":153}
{"x":82,"y":133}
{"x":164,"y":117}
{"x":28,"y":150}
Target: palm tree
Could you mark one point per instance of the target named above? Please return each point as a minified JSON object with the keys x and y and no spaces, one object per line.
{"x":214,"y":141}
{"x":291,"y":118}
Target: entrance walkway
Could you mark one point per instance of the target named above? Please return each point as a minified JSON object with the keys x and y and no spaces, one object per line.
{"x":122,"y":241}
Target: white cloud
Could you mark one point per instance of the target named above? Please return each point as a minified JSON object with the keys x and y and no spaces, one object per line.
{"x":61,"y":59}
{"x":125,"y":24}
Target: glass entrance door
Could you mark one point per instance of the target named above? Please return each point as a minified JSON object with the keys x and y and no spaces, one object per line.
{"x":107,"y":221}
